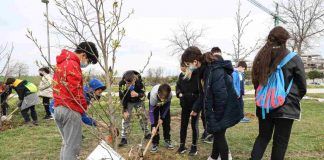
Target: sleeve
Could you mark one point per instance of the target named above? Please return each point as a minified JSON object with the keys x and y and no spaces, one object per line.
{"x":178,"y":87}
{"x":166,"y":109}
{"x":88,"y":120}
{"x":153,"y":99}
{"x":219,"y":88}
{"x":197,"y":106}
{"x":151,"y":113}
{"x":121,"y":91}
{"x":141,"y":90}
{"x":236,"y":82}
{"x":45,"y":83}
{"x":74,"y":83}
{"x":300,"y":78}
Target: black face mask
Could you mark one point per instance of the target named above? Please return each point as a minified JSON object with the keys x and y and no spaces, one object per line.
{"x":41,"y":74}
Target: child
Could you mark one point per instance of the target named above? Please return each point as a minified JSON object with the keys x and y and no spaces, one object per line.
{"x":278,"y":122}
{"x":219,"y":96}
{"x":160,"y":101}
{"x":45,"y":90}
{"x":132,"y":95}
{"x":5,"y":91}
{"x":27,"y":96}
{"x":70,"y":102}
{"x":238,"y":81}
{"x":187,"y":90}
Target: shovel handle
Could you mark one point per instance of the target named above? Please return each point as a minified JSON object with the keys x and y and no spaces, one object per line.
{"x":151,"y":139}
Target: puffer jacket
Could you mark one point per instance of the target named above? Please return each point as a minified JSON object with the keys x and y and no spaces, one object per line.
{"x":294,"y":69}
{"x":45,"y":86}
{"x":220,"y":101}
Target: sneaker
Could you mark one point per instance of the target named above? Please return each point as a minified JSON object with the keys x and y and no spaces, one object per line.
{"x":168,"y":144}
{"x":35,"y":123}
{"x":229,"y":156}
{"x":123,"y":142}
{"x":193,"y":151}
{"x":245,"y":120}
{"x":203,"y":136}
{"x":209,"y":139}
{"x":182,"y":149}
{"x":48,"y":117}
{"x":148,"y":136}
{"x":210,"y":158}
{"x":154,"y":148}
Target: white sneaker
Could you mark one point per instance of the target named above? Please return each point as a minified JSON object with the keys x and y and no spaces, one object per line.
{"x":209,"y":158}
{"x":229,"y":157}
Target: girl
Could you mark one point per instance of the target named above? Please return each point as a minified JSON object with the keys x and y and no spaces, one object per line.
{"x":45,"y":90}
{"x":279,"y":121}
{"x":220,"y":101}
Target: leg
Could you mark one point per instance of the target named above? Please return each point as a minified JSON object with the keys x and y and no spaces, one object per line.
{"x":166,"y":124}
{"x":59,"y":123}
{"x":220,"y":146}
{"x":33,"y":113}
{"x":261,"y":142}
{"x":195,"y":129}
{"x":185,"y":115}
{"x":72,"y":132}
{"x":156,"y":113}
{"x":281,"y":135}
{"x":203,"y":119}
{"x":46,"y":102}
{"x":126,"y":122}
{"x":143,"y":118}
{"x":25,"y":115}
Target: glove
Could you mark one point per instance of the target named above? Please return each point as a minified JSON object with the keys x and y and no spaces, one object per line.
{"x":88,"y":120}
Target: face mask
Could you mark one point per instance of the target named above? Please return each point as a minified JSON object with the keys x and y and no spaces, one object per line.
{"x":83,"y":65}
{"x":192,"y":68}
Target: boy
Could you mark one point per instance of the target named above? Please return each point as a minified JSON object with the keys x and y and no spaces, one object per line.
{"x":187,"y":90}
{"x":27,"y":98}
{"x":132,"y":95}
{"x":70,"y":102}
{"x":5,"y":91}
{"x":238,"y":81}
{"x":160,"y":101}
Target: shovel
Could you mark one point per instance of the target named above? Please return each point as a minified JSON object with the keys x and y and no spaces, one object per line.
{"x":8,"y":118}
{"x":150,"y":141}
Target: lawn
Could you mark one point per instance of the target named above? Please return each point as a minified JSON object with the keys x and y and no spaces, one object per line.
{"x":43,"y":141}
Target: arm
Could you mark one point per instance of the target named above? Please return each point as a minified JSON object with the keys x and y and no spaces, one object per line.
{"x":122,"y":96}
{"x":218,"y":88}
{"x":88,"y":120}
{"x":197,"y":106}
{"x":166,"y":107}
{"x":236,"y":83}
{"x":45,"y":83}
{"x":178,"y":87}
{"x":300,"y":78}
{"x":141,"y":92}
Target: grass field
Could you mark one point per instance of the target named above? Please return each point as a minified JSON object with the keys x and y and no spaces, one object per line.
{"x":43,"y":141}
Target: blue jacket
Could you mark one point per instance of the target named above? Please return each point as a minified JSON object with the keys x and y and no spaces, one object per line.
{"x":221,"y":104}
{"x":238,"y":84}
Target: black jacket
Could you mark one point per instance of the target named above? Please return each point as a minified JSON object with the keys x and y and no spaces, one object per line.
{"x":294,"y":69}
{"x":5,"y":94}
{"x":22,"y":90}
{"x":124,"y":92}
{"x":220,"y":102}
{"x":189,"y":88}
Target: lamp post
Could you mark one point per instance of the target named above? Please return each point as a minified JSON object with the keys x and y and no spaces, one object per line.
{"x":48,"y":37}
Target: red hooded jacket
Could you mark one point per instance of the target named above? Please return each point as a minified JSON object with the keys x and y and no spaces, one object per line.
{"x":68,"y":83}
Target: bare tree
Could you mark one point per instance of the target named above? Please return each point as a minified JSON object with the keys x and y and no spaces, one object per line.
{"x":305,"y":22}
{"x":155,"y":75}
{"x":5,"y":56}
{"x":184,"y":37}
{"x":240,"y":51}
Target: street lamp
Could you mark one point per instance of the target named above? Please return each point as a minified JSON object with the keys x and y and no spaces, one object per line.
{"x":48,"y":38}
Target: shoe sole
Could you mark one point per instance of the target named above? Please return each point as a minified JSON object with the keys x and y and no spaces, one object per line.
{"x":208,"y":142}
{"x":193,"y":154}
{"x":153,"y":151}
{"x":182,"y":152}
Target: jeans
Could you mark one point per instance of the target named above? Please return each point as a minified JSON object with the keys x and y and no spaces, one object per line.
{"x":69,"y":124}
{"x":280,"y":129}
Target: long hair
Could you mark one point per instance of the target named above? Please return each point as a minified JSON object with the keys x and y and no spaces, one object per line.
{"x":270,"y":55}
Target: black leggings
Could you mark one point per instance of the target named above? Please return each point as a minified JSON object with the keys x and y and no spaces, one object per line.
{"x":33,"y":114}
{"x":220,"y":146}
{"x":281,"y":128}
{"x":4,"y":107}
{"x":46,"y":102}
{"x":185,"y":116}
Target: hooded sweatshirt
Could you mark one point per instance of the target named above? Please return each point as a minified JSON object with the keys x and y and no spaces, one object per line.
{"x":68,"y":83}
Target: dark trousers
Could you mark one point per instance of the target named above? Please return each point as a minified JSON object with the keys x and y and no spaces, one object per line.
{"x":185,"y":116}
{"x":241,"y":103}
{"x":281,"y":128}
{"x":46,"y":102}
{"x":203,"y":119}
{"x":25,"y":114}
{"x":158,"y":111}
{"x":220,"y":147}
{"x":4,"y":107}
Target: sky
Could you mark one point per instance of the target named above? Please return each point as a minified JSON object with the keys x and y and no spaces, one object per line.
{"x":147,"y":29}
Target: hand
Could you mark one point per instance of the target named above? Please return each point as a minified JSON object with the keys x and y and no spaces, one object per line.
{"x":193,"y":113}
{"x":160,"y":121}
{"x":126,"y":115}
{"x":154,"y":130}
{"x":134,"y":94}
{"x":180,"y":95}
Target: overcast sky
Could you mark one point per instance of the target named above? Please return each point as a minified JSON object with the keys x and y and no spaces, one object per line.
{"x":146,"y":30}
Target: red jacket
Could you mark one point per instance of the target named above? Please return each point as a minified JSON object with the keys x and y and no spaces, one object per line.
{"x":68,"y":83}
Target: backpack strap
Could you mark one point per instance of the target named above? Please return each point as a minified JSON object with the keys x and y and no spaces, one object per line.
{"x":285,"y":60}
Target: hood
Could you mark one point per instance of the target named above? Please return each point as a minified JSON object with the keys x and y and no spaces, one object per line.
{"x":226,"y":64}
{"x":136,"y":73}
{"x":96,"y":84}
{"x":67,"y":55}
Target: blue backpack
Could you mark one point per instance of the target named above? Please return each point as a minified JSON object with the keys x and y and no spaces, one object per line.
{"x":273,"y":94}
